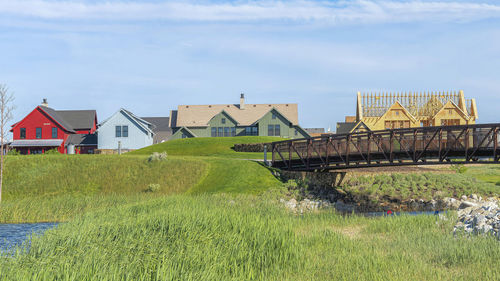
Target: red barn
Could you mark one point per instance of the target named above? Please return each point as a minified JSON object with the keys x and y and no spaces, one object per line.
{"x":45,"y":128}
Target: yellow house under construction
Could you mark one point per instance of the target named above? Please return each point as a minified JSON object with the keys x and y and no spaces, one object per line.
{"x":407,"y":110}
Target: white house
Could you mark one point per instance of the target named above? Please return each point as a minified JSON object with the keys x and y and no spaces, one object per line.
{"x":124,"y":130}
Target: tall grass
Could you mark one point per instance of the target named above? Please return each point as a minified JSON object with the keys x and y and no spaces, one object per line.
{"x":425,"y":186}
{"x":213,"y":237}
{"x":54,"y":175}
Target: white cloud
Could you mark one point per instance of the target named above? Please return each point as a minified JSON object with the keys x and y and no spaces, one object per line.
{"x":339,"y":12}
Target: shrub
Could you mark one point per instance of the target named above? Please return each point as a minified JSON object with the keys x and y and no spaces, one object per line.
{"x":52,"y":151}
{"x":157,"y":156}
{"x":461,"y":169}
{"x":14,"y":152}
{"x":152,"y":187}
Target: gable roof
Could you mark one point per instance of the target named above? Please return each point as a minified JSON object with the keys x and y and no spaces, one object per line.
{"x":160,"y":124}
{"x":349,"y":127}
{"x":464,"y":115}
{"x":200,"y":115}
{"x":141,"y":123}
{"x":56,"y":117}
{"x":397,"y":105}
{"x":78,"y":119}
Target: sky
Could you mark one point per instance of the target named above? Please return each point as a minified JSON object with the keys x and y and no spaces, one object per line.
{"x":150,"y":56}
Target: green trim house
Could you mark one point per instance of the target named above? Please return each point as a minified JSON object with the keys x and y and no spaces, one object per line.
{"x":229,"y":120}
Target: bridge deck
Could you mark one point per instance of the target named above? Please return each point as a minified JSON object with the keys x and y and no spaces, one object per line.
{"x":399,"y":147}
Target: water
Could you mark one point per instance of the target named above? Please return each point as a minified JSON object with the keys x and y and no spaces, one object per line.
{"x":381,"y":214}
{"x":12,"y":235}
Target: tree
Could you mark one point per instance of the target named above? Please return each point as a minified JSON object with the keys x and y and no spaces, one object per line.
{"x":6,"y":108}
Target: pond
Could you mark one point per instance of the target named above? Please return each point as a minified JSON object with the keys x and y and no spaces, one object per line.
{"x":12,"y":235}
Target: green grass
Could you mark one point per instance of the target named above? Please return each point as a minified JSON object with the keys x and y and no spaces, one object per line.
{"x":58,"y":187}
{"x":213,"y":237}
{"x":235,"y":176}
{"x":487,"y":173}
{"x":218,"y":147}
{"x":424,"y":186}
{"x":54,"y":175}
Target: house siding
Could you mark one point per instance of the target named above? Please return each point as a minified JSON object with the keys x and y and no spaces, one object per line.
{"x":287,"y":130}
{"x":137,"y":136}
{"x":38,"y":119}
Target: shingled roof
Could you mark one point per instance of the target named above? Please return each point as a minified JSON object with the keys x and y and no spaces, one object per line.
{"x":78,"y":119}
{"x":72,"y":120}
{"x":200,"y":115}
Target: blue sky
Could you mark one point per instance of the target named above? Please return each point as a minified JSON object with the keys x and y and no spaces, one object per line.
{"x":150,"y":56}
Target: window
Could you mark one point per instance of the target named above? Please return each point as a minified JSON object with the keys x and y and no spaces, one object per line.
{"x":226,"y":131}
{"x":274,"y":116}
{"x":397,"y":112}
{"x":450,"y":122}
{"x":118,"y":131}
{"x":255,"y":131}
{"x":270,"y":130}
{"x":38,"y":133}
{"x":296,"y":132}
{"x":450,"y":111}
{"x":252,"y":131}
{"x":121,"y":131}
{"x":233,"y":131}
{"x":54,"y":133}
{"x":223,"y":120}
{"x":221,"y":132}
{"x":214,"y":132}
{"x":277,"y":130}
{"x":22,"y":134}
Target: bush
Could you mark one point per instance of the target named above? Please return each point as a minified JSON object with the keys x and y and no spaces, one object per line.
{"x":461,"y":169}
{"x":52,"y":151}
{"x":157,"y":156}
{"x":152,"y":187}
{"x":14,"y":152}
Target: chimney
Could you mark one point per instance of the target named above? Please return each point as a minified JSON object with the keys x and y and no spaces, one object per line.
{"x":44,"y":103}
{"x":242,"y":101}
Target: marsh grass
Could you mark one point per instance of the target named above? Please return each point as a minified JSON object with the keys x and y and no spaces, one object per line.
{"x":219,"y":237}
{"x":425,"y":186}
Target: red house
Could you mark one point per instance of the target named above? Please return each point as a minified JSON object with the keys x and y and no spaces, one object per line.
{"x":68,"y":131}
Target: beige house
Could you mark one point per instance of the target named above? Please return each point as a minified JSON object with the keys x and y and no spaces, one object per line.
{"x":227,"y":120}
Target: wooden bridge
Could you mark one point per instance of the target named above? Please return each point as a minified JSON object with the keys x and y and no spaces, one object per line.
{"x":398,"y":147}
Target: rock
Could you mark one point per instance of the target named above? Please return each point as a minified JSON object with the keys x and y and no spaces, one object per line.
{"x":482,"y":217}
{"x":466,"y":204}
{"x":292,"y":204}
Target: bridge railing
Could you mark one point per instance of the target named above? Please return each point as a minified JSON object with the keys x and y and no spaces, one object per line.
{"x":426,"y":145}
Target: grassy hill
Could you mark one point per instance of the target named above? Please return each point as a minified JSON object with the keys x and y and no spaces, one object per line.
{"x":219,"y":147}
{"x":54,"y":175}
{"x":58,"y":187}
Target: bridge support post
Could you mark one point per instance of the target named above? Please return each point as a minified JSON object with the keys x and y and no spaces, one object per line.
{"x":495,"y":145}
{"x":347,"y":149}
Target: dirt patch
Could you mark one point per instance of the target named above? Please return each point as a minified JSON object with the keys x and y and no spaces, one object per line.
{"x":352,"y":231}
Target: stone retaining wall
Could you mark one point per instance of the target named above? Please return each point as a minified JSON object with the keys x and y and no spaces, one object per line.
{"x":251,"y":147}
